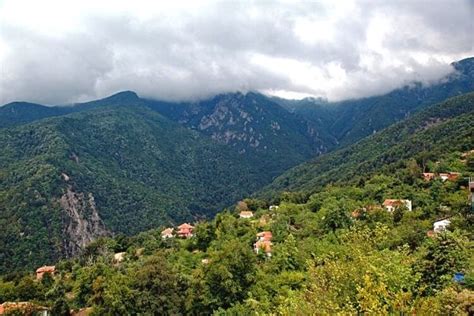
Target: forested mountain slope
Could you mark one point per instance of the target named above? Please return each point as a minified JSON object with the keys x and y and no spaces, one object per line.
{"x":17,"y":113}
{"x":351,"y":120}
{"x":66,"y":180}
{"x":257,"y":127}
{"x":441,"y":128}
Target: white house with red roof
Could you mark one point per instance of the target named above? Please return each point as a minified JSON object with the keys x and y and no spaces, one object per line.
{"x":185,"y":230}
{"x":391,"y":204}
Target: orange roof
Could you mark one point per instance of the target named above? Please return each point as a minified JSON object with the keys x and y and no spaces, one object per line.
{"x":356,"y":213}
{"x":428,"y":175}
{"x":266,"y":235}
{"x":48,"y":269}
{"x":392,"y":202}
{"x":185,"y":226}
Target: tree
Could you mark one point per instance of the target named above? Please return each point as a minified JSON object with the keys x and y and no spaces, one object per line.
{"x":58,"y":295}
{"x":204,"y":234}
{"x":230,"y":274}
{"x":158,"y":287}
{"x":441,"y":257}
{"x":334,"y":215}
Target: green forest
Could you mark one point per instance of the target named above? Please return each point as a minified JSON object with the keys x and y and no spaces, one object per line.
{"x":142,"y":169}
{"x":337,"y":251}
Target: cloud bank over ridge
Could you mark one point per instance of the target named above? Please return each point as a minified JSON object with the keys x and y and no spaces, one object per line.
{"x":66,"y":51}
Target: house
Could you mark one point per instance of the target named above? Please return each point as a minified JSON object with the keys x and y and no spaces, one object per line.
{"x":453,"y":176}
{"x":45,"y":269}
{"x":264,"y":236}
{"x":265,"y":246}
{"x":428,"y":176}
{"x":390,"y":204}
{"x":264,"y":243}
{"x":23,"y":308}
{"x":246,"y":214}
{"x":444,"y":176}
{"x":441,"y":225}
{"x":167,"y":233}
{"x":273,"y":207}
{"x":356,"y":213}
{"x":185,"y":230}
{"x":119,"y":256}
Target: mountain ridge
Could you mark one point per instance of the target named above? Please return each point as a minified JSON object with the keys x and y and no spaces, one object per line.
{"x":392,"y":144}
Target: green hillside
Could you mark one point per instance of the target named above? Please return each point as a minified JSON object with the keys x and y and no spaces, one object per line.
{"x":337,"y":251}
{"x":66,"y":180}
{"x":438,"y":130}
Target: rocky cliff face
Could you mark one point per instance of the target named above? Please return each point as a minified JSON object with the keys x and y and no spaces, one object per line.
{"x":82,"y":223}
{"x":250,"y":122}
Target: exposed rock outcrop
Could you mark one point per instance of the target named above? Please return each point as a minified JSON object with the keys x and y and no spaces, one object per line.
{"x":82,"y":223}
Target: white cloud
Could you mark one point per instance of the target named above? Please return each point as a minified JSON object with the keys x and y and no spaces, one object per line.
{"x":55,"y":51}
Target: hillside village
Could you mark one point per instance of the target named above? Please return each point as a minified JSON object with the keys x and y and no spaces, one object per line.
{"x":254,"y":255}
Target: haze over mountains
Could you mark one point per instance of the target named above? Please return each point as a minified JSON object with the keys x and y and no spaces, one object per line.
{"x":124,"y":164}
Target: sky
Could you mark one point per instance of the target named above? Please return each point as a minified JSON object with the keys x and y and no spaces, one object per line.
{"x":57,"y":51}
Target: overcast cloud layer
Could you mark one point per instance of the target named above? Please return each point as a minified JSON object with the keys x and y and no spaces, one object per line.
{"x":57,"y":52}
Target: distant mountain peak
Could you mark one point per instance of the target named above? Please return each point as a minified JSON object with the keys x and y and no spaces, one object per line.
{"x":19,"y":104}
{"x":464,"y":65}
{"x":123,"y":95}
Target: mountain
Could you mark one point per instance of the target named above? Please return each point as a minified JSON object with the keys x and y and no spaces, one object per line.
{"x":351,"y":120}
{"x":251,"y":123}
{"x":439,"y":129}
{"x":17,"y":113}
{"x":257,"y":127}
{"x":67,"y":180}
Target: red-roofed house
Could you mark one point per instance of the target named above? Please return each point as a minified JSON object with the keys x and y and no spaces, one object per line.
{"x":185,"y":230}
{"x":45,"y":269}
{"x":264,"y":243}
{"x":453,"y":176}
{"x":428,"y":176}
{"x":391,"y":204}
